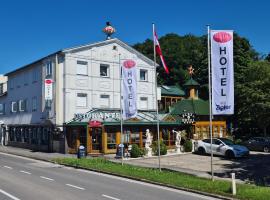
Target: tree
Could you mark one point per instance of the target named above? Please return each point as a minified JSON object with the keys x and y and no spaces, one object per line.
{"x":249,"y":74}
{"x":254,"y":96}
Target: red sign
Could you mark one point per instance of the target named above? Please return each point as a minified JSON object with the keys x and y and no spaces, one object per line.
{"x":222,"y":37}
{"x":94,"y":123}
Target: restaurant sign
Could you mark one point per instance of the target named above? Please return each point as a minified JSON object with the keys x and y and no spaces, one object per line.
{"x":98,"y":116}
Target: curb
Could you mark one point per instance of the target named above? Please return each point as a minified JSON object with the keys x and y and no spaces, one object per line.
{"x":152,"y":182}
{"x":129,"y":177}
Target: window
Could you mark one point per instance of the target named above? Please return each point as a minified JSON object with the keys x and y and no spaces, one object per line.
{"x":81,"y":100}
{"x":82,"y":67}
{"x":111,"y":138}
{"x":22,"y":105}
{"x":14,"y":106}
{"x":2,"y":109}
{"x":143,"y":75}
{"x":1,"y":88}
{"x":104,"y":101}
{"x":25,"y":78}
{"x":11,"y":84}
{"x":34,"y":75}
{"x":34,"y":104}
{"x":49,"y":68}
{"x":144,"y":103}
{"x":104,"y":70}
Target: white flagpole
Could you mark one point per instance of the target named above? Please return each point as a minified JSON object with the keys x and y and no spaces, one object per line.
{"x":155,"y":67}
{"x":121,"y":112}
{"x":210,"y":101}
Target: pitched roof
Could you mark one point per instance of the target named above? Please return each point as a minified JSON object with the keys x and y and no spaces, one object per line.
{"x":172,"y":91}
{"x":196,"y":106}
{"x":106,"y":42}
{"x":89,"y":46}
{"x":191,"y":82}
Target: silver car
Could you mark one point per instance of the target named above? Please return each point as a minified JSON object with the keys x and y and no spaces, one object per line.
{"x":222,"y":147}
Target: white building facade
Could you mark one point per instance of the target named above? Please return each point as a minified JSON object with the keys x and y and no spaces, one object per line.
{"x":84,"y":78}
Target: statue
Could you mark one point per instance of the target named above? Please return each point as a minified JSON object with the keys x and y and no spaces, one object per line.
{"x":148,"y":143}
{"x":177,"y":141}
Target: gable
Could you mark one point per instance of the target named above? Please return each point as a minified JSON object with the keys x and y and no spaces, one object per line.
{"x":105,"y":50}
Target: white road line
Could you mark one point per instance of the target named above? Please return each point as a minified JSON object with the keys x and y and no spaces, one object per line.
{"x":110,"y":197}
{"x":74,"y":186}
{"x":46,"y":178}
{"x":25,"y":172}
{"x":9,"y":195}
{"x":148,"y":184}
{"x":8,"y":167}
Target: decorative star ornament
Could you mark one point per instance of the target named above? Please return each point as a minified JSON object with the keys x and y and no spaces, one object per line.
{"x":190,"y":70}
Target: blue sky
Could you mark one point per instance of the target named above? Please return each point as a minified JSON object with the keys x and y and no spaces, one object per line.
{"x":31,"y":29}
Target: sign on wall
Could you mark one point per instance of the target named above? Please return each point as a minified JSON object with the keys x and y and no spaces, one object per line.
{"x":222,"y":72}
{"x":48,"y":89}
{"x":188,"y":118}
{"x":129,"y":88}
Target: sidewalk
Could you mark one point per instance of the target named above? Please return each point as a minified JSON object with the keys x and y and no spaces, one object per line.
{"x":34,"y":154}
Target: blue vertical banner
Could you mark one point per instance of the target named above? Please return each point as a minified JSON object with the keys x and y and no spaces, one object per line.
{"x":222,"y":72}
{"x":129,"y":88}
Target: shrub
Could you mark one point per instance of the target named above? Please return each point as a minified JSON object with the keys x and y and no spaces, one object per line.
{"x":188,"y":146}
{"x":163,"y":148}
{"x":136,"y":151}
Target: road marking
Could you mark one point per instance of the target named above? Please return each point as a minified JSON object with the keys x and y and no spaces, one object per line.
{"x":199,"y":196}
{"x":9,"y":195}
{"x":8,"y":167}
{"x":49,"y":179}
{"x":110,"y":197}
{"x":74,"y":186}
{"x":25,"y":172}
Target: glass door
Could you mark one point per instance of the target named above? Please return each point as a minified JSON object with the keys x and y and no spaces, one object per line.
{"x":96,"y":140}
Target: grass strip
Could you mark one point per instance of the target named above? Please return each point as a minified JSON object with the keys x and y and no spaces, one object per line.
{"x":176,"y":179}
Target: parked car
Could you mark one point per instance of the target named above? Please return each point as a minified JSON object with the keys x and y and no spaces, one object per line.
{"x":221,"y":146}
{"x":258,"y":144}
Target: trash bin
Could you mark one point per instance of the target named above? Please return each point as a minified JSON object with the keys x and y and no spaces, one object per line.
{"x":81,"y":152}
{"x":120,"y":151}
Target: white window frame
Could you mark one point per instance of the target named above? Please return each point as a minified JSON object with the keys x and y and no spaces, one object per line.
{"x":21,"y":103}
{"x":144,"y":99}
{"x":81,"y":100}
{"x":14,"y":106}
{"x":80,"y":65}
{"x":25,"y":78}
{"x":102,"y":100}
{"x":145,"y":75}
{"x":1,"y":88}
{"x":11,"y":84}
{"x":49,"y":68}
{"x":34,"y":75}
{"x":2,"y":109}
{"x":108,"y":70}
{"x":34,"y":104}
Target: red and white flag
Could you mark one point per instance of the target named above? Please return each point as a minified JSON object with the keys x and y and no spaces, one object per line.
{"x":158,"y":51}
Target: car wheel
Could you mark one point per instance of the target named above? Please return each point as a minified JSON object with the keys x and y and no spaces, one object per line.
{"x":266,"y":149}
{"x":229,"y":154}
{"x":201,"y":151}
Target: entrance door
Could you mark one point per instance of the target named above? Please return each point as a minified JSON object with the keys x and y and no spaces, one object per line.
{"x":96,"y":140}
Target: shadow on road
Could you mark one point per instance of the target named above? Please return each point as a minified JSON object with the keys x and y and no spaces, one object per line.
{"x":254,"y":169}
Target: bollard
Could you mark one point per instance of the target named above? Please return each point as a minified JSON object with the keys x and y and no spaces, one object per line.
{"x":233,"y":184}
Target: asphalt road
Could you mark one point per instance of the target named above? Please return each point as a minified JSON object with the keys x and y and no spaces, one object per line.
{"x":27,"y":179}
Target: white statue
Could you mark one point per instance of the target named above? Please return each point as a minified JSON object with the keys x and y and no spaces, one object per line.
{"x":148,"y":143}
{"x":177,"y":141}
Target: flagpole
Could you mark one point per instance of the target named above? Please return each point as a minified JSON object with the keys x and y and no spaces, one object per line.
{"x":157,"y":114}
{"x":121,"y":113}
{"x":210,"y":100}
